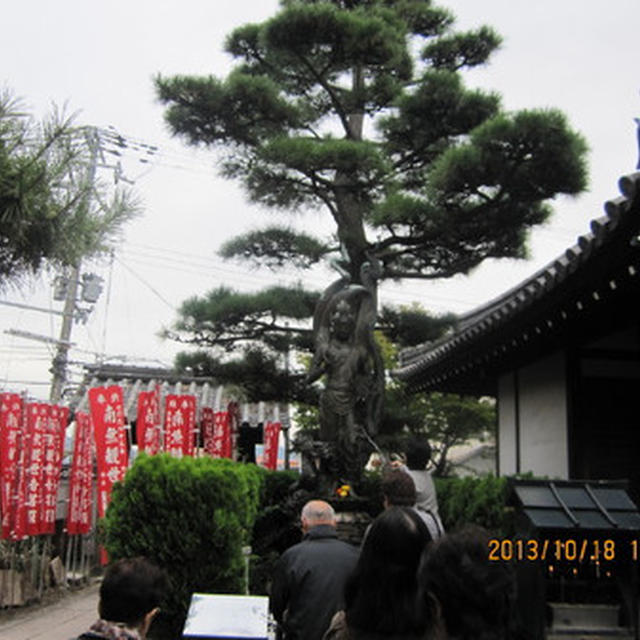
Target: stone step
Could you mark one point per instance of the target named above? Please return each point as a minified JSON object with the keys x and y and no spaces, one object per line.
{"x":588,"y":617}
{"x":603,"y":634}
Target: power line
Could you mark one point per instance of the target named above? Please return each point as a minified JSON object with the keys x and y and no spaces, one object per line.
{"x":162,"y":261}
{"x":147,"y":284}
{"x":122,"y":146}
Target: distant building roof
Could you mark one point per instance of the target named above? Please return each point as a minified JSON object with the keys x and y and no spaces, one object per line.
{"x":571,"y":297}
{"x":134,"y":379}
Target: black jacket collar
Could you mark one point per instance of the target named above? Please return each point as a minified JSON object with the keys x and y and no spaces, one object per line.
{"x":321,"y":531}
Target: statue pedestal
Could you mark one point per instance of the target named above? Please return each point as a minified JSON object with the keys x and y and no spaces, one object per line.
{"x":352,"y":519}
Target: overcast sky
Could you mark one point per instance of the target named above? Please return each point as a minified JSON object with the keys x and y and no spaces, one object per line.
{"x":99,"y":58}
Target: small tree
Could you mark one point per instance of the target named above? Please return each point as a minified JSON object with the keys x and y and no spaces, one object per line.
{"x":449,"y":420}
{"x":190,"y":515}
{"x":358,"y":108}
{"x":443,"y":419}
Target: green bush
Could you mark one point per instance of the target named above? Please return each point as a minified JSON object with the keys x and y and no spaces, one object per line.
{"x":276,"y":526}
{"x":474,"y":500}
{"x":276,"y":486}
{"x":192,"y":516}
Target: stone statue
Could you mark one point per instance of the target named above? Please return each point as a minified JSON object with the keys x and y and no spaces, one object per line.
{"x":346,"y":353}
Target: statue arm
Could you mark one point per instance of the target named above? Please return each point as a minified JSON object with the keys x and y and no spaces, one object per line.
{"x":318,"y":367}
{"x":319,"y":363}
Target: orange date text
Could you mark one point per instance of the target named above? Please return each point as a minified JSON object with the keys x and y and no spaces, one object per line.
{"x":558,"y":550}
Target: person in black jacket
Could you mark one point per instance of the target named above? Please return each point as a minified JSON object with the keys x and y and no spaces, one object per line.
{"x":309,"y":578}
{"x":129,"y":597}
{"x":469,"y":596}
{"x":381,"y":595}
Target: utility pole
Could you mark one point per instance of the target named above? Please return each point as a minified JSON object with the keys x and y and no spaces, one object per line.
{"x":61,"y":359}
{"x":286,"y":422}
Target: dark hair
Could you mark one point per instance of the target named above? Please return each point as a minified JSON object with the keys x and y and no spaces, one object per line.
{"x":381,"y":593}
{"x":418,"y":454}
{"x":130,"y":589}
{"x":475,"y":594}
{"x":398,"y":487}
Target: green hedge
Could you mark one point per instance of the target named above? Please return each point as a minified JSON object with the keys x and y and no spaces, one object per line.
{"x":476,"y":500}
{"x":192,"y":516}
{"x":276,"y":527}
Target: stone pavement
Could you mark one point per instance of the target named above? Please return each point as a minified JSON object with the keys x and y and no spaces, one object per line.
{"x":65,"y":618}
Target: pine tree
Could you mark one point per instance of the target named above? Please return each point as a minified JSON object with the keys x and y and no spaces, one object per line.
{"x":358,"y":108}
{"x":51,"y":213}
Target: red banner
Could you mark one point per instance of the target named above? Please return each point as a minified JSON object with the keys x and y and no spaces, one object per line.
{"x":271,"y":437}
{"x":19,"y":523}
{"x":54,"y":450}
{"x":81,"y":477}
{"x":207,"y":424}
{"x":107,"y":414}
{"x":148,"y":422}
{"x":179,"y":425}
{"x":222,"y":434}
{"x":217,"y":433}
{"x":11,"y":435}
{"x":234,"y":427}
{"x":38,"y":416}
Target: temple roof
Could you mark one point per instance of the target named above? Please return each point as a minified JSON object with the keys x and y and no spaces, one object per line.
{"x":577,"y":297}
{"x":134,"y":379}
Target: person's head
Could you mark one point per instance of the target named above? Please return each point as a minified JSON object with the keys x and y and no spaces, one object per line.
{"x":469,"y":595}
{"x":398,"y":489}
{"x":381,"y":594}
{"x":131,"y":591}
{"x":418,"y":454}
{"x":315,"y":513}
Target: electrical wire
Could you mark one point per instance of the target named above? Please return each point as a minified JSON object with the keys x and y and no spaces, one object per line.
{"x":147,"y":284}
{"x":108,"y":301}
{"x":208,"y":267}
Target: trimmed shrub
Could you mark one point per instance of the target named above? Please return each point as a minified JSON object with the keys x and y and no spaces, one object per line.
{"x":476,"y":500}
{"x":276,"y":526}
{"x":192,"y":516}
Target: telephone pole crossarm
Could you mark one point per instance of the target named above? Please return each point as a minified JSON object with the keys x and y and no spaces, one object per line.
{"x":31,"y":307}
{"x":35,"y":336}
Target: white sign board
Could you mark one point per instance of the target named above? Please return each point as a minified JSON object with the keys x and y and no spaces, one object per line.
{"x":227,"y":616}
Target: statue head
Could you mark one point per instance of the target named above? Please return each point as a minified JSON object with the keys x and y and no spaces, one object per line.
{"x":343,"y":320}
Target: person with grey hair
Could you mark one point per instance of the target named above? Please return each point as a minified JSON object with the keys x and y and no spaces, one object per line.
{"x":309,"y":578}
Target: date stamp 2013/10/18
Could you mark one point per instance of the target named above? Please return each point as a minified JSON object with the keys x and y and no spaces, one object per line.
{"x":562,"y":550}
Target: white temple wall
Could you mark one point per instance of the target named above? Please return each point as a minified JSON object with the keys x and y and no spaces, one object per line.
{"x":532,"y":419}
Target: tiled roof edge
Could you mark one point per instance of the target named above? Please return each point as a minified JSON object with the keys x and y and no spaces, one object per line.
{"x":485,"y":317}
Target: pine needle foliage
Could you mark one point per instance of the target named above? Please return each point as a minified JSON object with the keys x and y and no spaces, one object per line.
{"x":51,"y":212}
{"x":360,"y":108}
